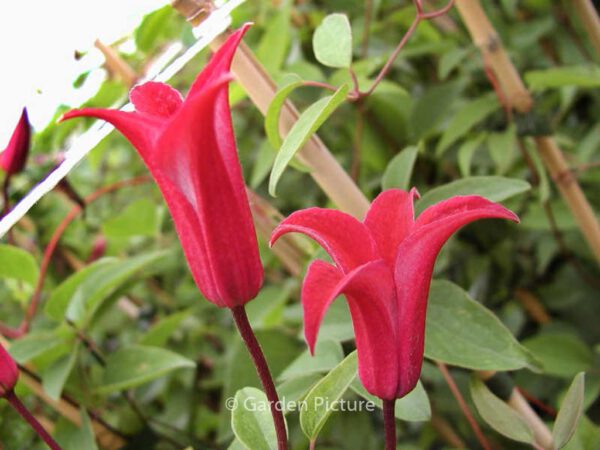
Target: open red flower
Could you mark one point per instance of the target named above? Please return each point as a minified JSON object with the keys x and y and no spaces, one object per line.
{"x":14,"y":156}
{"x":9,"y":372}
{"x":189,"y":147}
{"x":384,"y":267}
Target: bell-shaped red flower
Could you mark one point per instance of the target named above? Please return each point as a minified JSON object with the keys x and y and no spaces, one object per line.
{"x":14,"y":156}
{"x":189,"y":147}
{"x":384,"y":267}
{"x":9,"y":372}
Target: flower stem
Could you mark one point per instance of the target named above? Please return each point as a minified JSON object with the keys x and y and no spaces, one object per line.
{"x":389,"y":424}
{"x":258,"y":357}
{"x":14,"y":401}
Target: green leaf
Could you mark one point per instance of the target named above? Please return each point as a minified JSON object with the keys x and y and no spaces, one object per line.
{"x":493,"y":188}
{"x":562,"y":354}
{"x":580,"y":76}
{"x":466,"y":118}
{"x":36,"y":343}
{"x":308,"y":123}
{"x":432,"y":107}
{"x":498,"y":414}
{"x":274,"y":111}
{"x":137,"y":364}
{"x":159,"y":334}
{"x":399,"y":171}
{"x":328,"y":354}
{"x":502,"y":148}
{"x":138,"y":219}
{"x":462,"y":332}
{"x":18,"y":264}
{"x":80,"y":299}
{"x":332,"y":41}
{"x":76,"y":437}
{"x":251,"y":420}
{"x":275,"y":41}
{"x":56,"y":375}
{"x":466,"y":152}
{"x":570,"y":412}
{"x":450,"y":60}
{"x":321,"y":400}
{"x":413,"y":407}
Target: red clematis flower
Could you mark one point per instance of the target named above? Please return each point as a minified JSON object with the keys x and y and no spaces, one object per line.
{"x":9,"y":373}
{"x":384,"y":267}
{"x":189,"y":147}
{"x":14,"y":156}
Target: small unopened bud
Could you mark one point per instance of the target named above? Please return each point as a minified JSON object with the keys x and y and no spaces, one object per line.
{"x":14,"y":157}
{"x":9,"y":372}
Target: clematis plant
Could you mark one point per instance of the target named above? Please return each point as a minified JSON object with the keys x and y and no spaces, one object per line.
{"x":9,"y":375}
{"x":189,"y":148}
{"x":384,"y":267}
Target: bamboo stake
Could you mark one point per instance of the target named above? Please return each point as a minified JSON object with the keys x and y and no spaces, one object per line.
{"x":518,"y":97}
{"x":591,"y":22}
{"x":116,"y":65}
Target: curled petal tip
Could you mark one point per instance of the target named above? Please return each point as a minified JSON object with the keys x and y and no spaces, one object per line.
{"x":415,"y":193}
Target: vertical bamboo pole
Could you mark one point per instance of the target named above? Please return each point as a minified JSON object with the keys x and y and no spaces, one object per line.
{"x":518,"y":97}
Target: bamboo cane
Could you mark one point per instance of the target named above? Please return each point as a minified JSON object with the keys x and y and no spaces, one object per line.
{"x":518,"y":97}
{"x":591,"y":22}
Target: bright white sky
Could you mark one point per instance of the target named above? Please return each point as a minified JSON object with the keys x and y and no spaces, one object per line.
{"x":38,"y":39}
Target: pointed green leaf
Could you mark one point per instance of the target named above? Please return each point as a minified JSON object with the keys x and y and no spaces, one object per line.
{"x":56,"y":375}
{"x":462,"y":332}
{"x":332,"y":41}
{"x":498,"y":414}
{"x":322,"y":398}
{"x":18,"y":264}
{"x":308,"y":123}
{"x":138,"y":364}
{"x":570,"y":412}
{"x":580,"y":76}
{"x":251,"y":420}
{"x":399,"y":171}
{"x":274,"y":111}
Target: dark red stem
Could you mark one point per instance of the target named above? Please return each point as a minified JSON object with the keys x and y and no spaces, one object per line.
{"x":253,"y":346}
{"x":389,"y":424}
{"x":14,"y":401}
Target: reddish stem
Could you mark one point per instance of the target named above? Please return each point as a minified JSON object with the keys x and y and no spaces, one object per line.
{"x":22,"y":329}
{"x":463,"y":406}
{"x":389,"y":424}
{"x":14,"y":401}
{"x":253,"y":346}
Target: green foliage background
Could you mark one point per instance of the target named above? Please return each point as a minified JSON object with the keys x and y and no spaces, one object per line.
{"x":435,"y":109}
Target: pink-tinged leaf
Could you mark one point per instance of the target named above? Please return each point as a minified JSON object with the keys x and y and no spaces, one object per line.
{"x":196,"y":152}
{"x":14,"y":157}
{"x":371,"y":306}
{"x":347,"y":240}
{"x":155,"y":99}
{"x":414,"y":267}
{"x":390,"y":219}
{"x":9,"y":373}
{"x":141,"y":130}
{"x":220,"y":62}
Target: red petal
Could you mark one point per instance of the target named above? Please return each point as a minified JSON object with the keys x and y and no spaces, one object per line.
{"x":414,"y":268}
{"x":370,"y":293}
{"x":14,"y":157}
{"x":141,"y":130}
{"x":390,"y":219}
{"x":220,"y":62}
{"x":9,"y":373}
{"x":156,"y":99}
{"x":347,"y":240}
{"x":196,"y":152}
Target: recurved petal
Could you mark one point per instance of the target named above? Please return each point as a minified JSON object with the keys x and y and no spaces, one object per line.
{"x":345,"y":239}
{"x":370,"y":293}
{"x":141,"y":130}
{"x":390,"y":219}
{"x":9,"y":373}
{"x":414,"y":268}
{"x":14,"y":157}
{"x":156,"y":99}
{"x":220,"y":62}
{"x":196,"y":152}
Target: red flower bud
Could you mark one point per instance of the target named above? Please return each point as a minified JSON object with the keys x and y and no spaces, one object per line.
{"x":14,"y":156}
{"x":9,"y":373}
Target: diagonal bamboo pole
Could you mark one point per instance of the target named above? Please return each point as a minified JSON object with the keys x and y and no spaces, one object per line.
{"x":591,"y":22}
{"x":516,"y":94}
